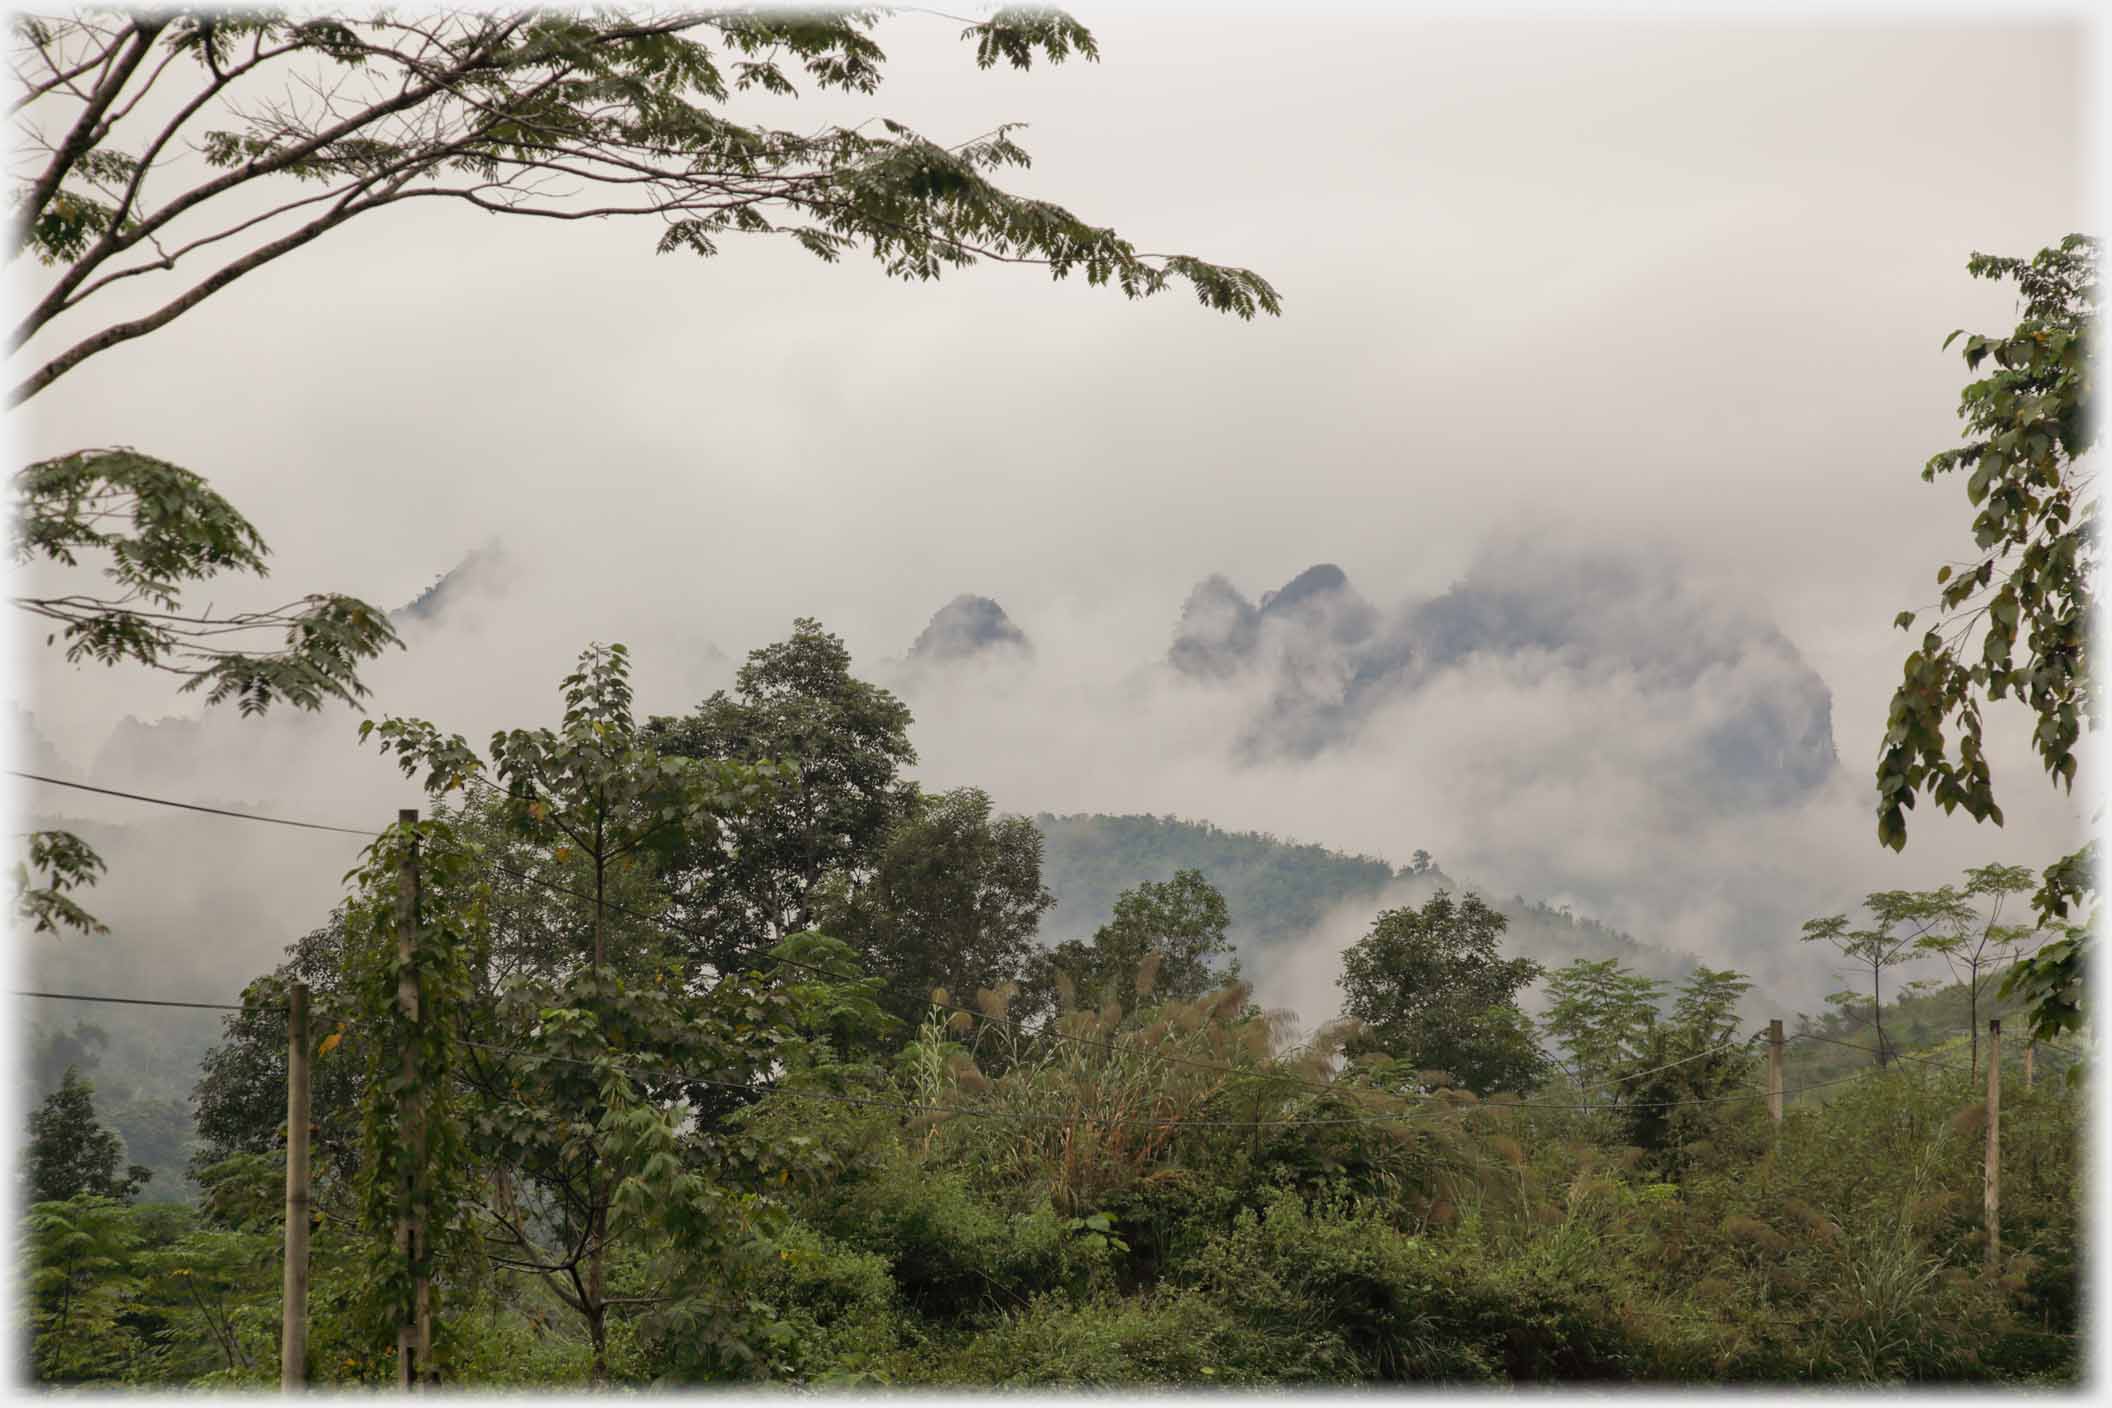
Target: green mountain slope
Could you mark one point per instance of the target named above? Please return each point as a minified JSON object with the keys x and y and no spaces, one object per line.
{"x":1279,"y":892}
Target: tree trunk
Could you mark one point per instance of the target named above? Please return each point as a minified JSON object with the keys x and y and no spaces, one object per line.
{"x":597,"y":1324}
{"x":1972,"y":1023}
{"x":1877,"y":1009}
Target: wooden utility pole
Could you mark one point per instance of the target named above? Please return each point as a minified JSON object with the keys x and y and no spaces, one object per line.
{"x":1993,"y":1179}
{"x":1774,"y":1070}
{"x":293,"y":1326}
{"x":414,"y":1329}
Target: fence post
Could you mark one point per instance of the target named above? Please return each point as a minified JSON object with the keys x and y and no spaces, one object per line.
{"x":293,"y":1313}
{"x":1774,"y":1070}
{"x":410,"y":1104}
{"x":1993,"y":1178}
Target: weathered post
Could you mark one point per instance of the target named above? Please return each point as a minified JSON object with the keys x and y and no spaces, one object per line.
{"x":1993,"y":1178}
{"x":2031,"y":1049}
{"x":411,"y":1334}
{"x":1774,"y":1070}
{"x":293,"y":1314}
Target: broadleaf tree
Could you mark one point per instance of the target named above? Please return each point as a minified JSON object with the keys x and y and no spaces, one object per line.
{"x":1166,"y":941}
{"x":2030,"y":420}
{"x":1431,"y":988}
{"x":1902,"y":919}
{"x":839,"y":745}
{"x":954,"y":901}
{"x":307,"y":122}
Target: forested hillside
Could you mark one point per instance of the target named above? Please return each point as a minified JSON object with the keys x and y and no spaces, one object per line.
{"x":512,"y":992}
{"x":1279,"y":893}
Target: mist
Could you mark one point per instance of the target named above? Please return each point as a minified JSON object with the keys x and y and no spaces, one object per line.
{"x":1637,"y":319}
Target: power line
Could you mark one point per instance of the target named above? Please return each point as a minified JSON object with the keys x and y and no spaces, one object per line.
{"x":672,"y":927}
{"x":1874,"y":1051}
{"x":189,"y":806}
{"x":150,"y":1001}
{"x":815,"y":968}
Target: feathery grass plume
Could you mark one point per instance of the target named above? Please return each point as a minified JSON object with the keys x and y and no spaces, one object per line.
{"x":1815,"y":1224}
{"x":1970,"y":1121}
{"x":1548,"y":1214}
{"x":939,"y":998}
{"x":961,"y":1023}
{"x":1442,"y":1213}
{"x":994,"y":1002}
{"x":1752,"y":1232}
{"x":1066,"y":992}
{"x":1226,"y":1002}
{"x":1510,"y":1149}
{"x":1931,"y":1207}
{"x":1629,"y":1157}
{"x":1155,"y":1034}
{"x":1787,"y":1281}
{"x":1110,"y":1017}
{"x":1698,"y":1149}
{"x":1436,"y":1080}
{"x":1148,"y":972}
{"x":962,"y":1068}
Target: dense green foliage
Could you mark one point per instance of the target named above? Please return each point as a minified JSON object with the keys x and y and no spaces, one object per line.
{"x":1428,"y":988}
{"x":1164,"y":940}
{"x":1096,"y":1164}
{"x":70,"y":1153}
{"x":954,"y":901}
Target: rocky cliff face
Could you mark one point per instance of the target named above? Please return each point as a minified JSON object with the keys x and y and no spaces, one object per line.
{"x":966,"y":628}
{"x":1325,"y":663}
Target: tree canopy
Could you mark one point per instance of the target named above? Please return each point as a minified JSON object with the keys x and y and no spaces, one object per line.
{"x":1432,"y":990}
{"x":70,"y":1152}
{"x":179,"y":151}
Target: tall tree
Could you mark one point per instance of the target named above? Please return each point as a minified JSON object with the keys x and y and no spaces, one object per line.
{"x":1682,"y":1067}
{"x":594,"y":792}
{"x":71,"y":1153}
{"x":1165,"y":942}
{"x":839,"y":744}
{"x":1901,"y":919}
{"x":953,"y":902}
{"x":1431,"y":988}
{"x":1599,"y":1013}
{"x":2029,"y":422}
{"x":1975,"y":944}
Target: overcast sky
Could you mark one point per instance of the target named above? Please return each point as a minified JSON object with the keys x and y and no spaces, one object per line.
{"x":1675,"y":282}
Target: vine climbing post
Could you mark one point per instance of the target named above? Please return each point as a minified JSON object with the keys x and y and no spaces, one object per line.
{"x":1774,"y":1070}
{"x":1993,"y":1179}
{"x":293,"y":1327}
{"x":414,"y":1329}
